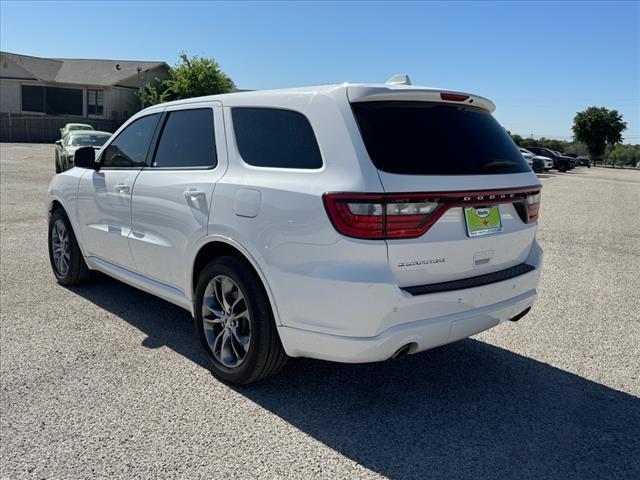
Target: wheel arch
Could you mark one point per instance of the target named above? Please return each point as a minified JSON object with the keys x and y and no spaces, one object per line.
{"x":55,"y":202}
{"x":216,"y":246}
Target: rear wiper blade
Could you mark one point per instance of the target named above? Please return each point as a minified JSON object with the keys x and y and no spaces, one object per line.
{"x":499,"y":164}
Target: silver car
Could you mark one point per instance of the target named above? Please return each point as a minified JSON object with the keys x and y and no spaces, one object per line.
{"x":67,"y":146}
{"x":535,"y":162}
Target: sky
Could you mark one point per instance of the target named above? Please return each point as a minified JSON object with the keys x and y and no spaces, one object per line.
{"x":540,"y":62}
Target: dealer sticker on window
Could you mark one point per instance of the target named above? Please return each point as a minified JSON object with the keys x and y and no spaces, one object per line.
{"x":482,"y":220}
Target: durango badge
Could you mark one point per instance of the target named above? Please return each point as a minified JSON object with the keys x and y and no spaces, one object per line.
{"x":422,"y":262}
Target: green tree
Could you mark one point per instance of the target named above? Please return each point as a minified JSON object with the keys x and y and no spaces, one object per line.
{"x":562,"y":146}
{"x":529,"y":142}
{"x":598,"y":127}
{"x":191,"y":77}
{"x":516,"y":138}
{"x":576,"y":148}
{"x":196,"y":77}
{"x":155,"y":92}
{"x":625,"y":155}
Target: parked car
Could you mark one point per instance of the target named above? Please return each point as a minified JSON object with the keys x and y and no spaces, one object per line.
{"x":70,"y":127}
{"x":66,"y":147}
{"x":535,"y":162}
{"x":527,"y":156}
{"x":583,"y":160}
{"x":548,"y":163}
{"x":560,"y":163}
{"x":571,"y":160}
{"x":299,"y":250}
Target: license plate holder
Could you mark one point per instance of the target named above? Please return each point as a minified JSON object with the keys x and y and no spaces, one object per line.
{"x":482,"y":220}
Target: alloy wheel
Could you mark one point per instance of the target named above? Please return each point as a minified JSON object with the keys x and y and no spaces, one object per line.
{"x":226,"y":321}
{"x":61,"y":247}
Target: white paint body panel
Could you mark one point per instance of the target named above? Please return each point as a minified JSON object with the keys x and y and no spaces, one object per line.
{"x":104,"y":214}
{"x":333,"y":297}
{"x":166,"y":220}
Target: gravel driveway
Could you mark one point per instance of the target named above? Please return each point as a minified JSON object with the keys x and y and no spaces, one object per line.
{"x":104,"y":381}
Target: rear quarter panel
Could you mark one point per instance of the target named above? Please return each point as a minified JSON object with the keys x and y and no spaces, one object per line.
{"x":290,"y":236}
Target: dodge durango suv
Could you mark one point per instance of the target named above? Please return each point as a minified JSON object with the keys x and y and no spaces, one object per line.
{"x":349,"y":223}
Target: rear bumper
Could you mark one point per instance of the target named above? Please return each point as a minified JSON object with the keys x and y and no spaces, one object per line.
{"x":421,"y":321}
{"x":420,"y":335}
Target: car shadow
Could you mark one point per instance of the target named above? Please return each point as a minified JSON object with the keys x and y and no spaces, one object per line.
{"x":467,"y":410}
{"x":164,"y":324}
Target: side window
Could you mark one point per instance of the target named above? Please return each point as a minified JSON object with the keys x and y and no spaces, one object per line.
{"x":271,"y":137}
{"x":130,"y":147}
{"x":95,"y":102}
{"x":187,"y":140}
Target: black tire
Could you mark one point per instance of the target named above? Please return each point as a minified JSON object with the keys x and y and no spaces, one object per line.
{"x":265,"y":355}
{"x":58,"y":167}
{"x":562,"y":168}
{"x":77,"y":271}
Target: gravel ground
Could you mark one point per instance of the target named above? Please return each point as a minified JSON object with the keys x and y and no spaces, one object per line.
{"x":104,"y":381}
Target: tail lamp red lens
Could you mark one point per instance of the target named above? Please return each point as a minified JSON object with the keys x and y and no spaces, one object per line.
{"x":376,"y":216}
{"x":395,"y":216}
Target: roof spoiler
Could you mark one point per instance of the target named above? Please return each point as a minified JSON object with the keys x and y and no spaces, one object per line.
{"x":409,"y":93}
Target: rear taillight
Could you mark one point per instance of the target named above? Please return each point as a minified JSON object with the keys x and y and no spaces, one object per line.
{"x":393,"y":216}
{"x":376,"y":216}
{"x":533,"y":206}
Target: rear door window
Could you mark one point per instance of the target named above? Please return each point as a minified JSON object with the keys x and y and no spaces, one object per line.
{"x":424,"y":138}
{"x":187,"y":140}
{"x":278,"y":138}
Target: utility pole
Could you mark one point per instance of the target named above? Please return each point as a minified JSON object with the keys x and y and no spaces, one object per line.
{"x":141,"y":78}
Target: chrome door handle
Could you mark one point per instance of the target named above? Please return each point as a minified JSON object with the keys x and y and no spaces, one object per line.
{"x":122,"y":188}
{"x":194,"y":193}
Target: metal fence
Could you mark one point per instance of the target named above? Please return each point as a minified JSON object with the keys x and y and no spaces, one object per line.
{"x":44,"y":129}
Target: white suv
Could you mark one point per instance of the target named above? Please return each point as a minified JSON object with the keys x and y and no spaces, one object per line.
{"x":351,"y":223}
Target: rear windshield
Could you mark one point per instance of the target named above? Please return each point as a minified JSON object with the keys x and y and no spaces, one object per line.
{"x":88,"y":140}
{"x":423,"y":138}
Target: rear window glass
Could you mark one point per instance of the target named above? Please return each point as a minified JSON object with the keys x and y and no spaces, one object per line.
{"x":88,"y":140}
{"x":423,"y":138}
{"x":271,"y":137}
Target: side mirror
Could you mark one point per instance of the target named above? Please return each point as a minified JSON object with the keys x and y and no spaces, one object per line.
{"x":85,"y":157}
{"x":58,"y":142}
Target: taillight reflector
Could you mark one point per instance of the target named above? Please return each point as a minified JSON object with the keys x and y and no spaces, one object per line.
{"x":533,"y":206}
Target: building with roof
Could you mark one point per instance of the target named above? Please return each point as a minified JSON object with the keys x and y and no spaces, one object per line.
{"x":46,"y":93}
